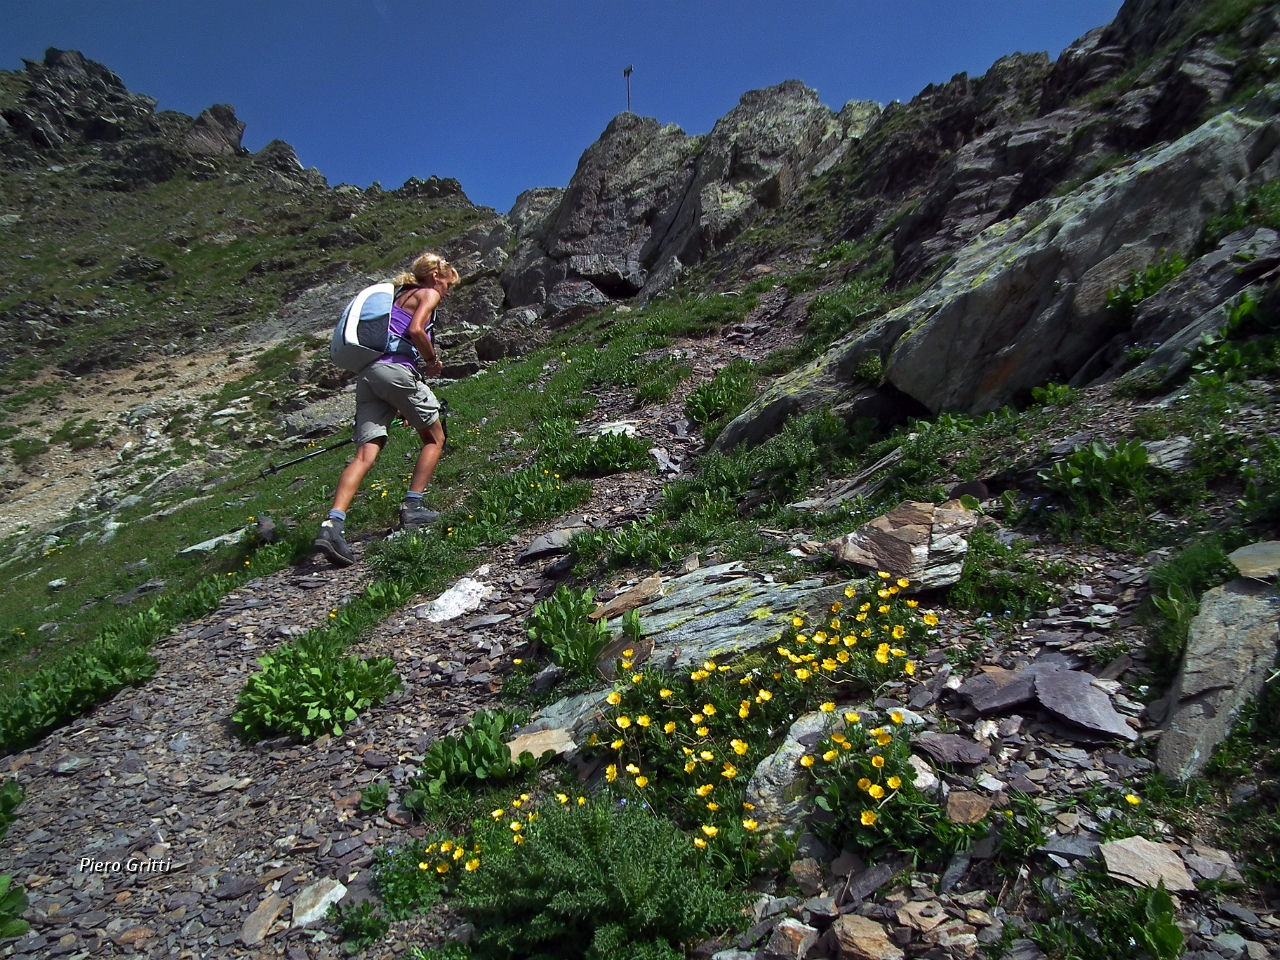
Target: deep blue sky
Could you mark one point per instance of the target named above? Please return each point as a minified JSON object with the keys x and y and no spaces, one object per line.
{"x":506,"y":95}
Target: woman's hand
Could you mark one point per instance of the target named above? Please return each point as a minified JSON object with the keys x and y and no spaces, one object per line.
{"x":434,"y":368}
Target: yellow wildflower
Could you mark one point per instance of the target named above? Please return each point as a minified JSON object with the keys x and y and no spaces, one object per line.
{"x":642,"y":720}
{"x":729,"y":771}
{"x":864,"y":783}
{"x":614,"y":698}
{"x":830,"y":755}
{"x":669,"y":727}
{"x":930,"y":619}
{"x":868,"y":818}
{"x":562,"y":798}
{"x":1132,"y":799}
{"x":909,"y":668}
{"x":696,"y":718}
{"x":632,"y":769}
{"x":472,"y":865}
{"x":896,"y":716}
{"x":705,"y":789}
{"x":749,"y":824}
{"x":617,"y":744}
{"x":852,"y":717}
{"x":913,"y":604}
{"x":877,"y":761}
{"x":709,"y":830}
{"x":894,"y":782}
{"x":802,"y":674}
{"x":806,"y":760}
{"x":899,"y":632}
{"x":702,"y":731}
{"x":690,"y":766}
{"x":664,"y":693}
{"x":826,"y":707}
{"x":623,"y":722}
{"x":642,"y":782}
{"x":739,"y":747}
{"x":876,"y":790}
{"x":763,"y":695}
{"x":611,"y":772}
{"x":699,"y":843}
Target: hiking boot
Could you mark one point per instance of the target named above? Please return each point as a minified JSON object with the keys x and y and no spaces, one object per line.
{"x":333,"y":546}
{"x":416,"y":515}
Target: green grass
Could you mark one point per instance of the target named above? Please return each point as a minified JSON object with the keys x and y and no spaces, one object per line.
{"x":235,"y":248}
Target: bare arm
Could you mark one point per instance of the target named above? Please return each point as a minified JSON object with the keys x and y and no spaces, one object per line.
{"x":428,"y":299}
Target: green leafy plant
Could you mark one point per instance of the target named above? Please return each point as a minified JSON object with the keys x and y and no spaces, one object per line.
{"x":11,"y":797}
{"x":562,"y":452}
{"x":308,"y":688}
{"x":410,"y":878}
{"x":1123,"y":300}
{"x":562,"y":624}
{"x":476,"y":755}
{"x":373,"y":799}
{"x":27,"y":450}
{"x":1156,"y":932}
{"x":13,"y":904}
{"x":1002,"y":579}
{"x":592,"y":882}
{"x":1099,"y":472}
{"x":1054,"y":395}
{"x":865,"y":783}
{"x":360,"y":926}
{"x":1175,"y":600}
{"x":714,"y":403}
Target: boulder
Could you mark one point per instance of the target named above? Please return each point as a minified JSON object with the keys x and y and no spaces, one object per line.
{"x":1073,"y":696}
{"x":779,"y":787}
{"x":215,"y":133}
{"x":1024,"y":301}
{"x":312,"y":904}
{"x":858,"y":938}
{"x":722,"y":611}
{"x":1141,"y":863}
{"x":922,"y":542}
{"x":1261,"y":560}
{"x":572,"y":300}
{"x":1231,"y":650}
{"x":790,"y":940}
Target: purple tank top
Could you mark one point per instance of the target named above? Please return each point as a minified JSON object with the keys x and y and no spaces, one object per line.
{"x":398,"y":328}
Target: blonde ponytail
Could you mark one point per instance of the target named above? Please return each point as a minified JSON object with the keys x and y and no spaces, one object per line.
{"x":428,"y":268}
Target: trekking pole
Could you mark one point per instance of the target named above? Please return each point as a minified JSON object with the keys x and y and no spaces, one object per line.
{"x":276,"y":468}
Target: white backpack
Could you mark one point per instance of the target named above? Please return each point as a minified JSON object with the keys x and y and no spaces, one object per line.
{"x":363,"y":334}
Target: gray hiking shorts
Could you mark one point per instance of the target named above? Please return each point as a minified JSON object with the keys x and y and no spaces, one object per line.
{"x":385,"y":389}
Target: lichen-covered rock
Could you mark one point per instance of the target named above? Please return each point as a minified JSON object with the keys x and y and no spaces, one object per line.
{"x":1025,"y":301}
{"x":779,"y":787}
{"x":1231,"y":650}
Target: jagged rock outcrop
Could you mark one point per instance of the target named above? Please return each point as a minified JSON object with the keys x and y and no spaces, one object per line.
{"x":216,"y":132}
{"x":647,"y":200}
{"x":1025,"y":301}
{"x":69,"y":100}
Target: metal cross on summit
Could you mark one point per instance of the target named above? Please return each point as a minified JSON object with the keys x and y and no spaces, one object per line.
{"x":626,"y":72}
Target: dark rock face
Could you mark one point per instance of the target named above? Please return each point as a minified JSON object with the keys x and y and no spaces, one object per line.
{"x":74,"y":100}
{"x":216,"y":132}
{"x":647,"y":201}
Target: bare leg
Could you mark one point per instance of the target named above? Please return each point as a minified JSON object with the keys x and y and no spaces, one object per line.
{"x":354,"y":473}
{"x":432,"y":447}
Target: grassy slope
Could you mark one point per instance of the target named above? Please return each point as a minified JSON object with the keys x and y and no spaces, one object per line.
{"x":232,"y":249}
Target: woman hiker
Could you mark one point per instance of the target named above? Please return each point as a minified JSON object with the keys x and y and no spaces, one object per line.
{"x":391,"y":385}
